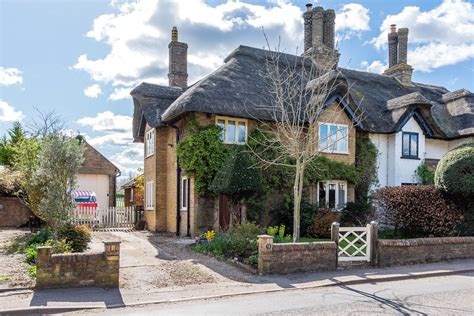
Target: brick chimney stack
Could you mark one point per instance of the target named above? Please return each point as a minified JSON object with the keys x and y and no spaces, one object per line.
{"x":178,"y":61}
{"x":397,"y":56}
{"x":319,"y":36}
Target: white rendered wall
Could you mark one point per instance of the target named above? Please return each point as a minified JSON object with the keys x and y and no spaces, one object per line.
{"x":435,"y":148}
{"x":98,"y":183}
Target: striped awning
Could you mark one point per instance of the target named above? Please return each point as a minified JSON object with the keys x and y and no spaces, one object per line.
{"x":82,"y":193}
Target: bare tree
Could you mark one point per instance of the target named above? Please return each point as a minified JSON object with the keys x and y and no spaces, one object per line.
{"x":301,"y":91}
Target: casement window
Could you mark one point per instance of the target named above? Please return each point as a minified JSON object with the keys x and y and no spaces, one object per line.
{"x":184,"y":193}
{"x":333,"y":138}
{"x":131,"y":194}
{"x":332,"y":194}
{"x":149,"y":195}
{"x":234,"y":131}
{"x":150,"y":143}
{"x":409,"y":145}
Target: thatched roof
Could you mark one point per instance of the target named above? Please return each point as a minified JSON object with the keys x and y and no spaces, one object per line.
{"x":238,"y":88}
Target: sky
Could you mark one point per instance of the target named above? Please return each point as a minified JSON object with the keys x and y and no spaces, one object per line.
{"x":81,"y":58}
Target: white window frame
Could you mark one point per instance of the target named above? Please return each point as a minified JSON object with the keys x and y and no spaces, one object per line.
{"x":149,"y":196}
{"x":338,"y":128}
{"x":226,"y":120}
{"x":150,"y":143}
{"x":184,"y":197}
{"x":336,"y":183}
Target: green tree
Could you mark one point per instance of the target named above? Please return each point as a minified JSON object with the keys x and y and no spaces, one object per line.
{"x":9,"y":144}
{"x":366,"y":166}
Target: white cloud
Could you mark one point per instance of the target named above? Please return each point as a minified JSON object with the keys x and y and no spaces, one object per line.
{"x":439,"y":37}
{"x":112,"y":139}
{"x":133,"y":155}
{"x":351,"y":20}
{"x":376,"y":66}
{"x":120,"y":94}
{"x":108,"y":122}
{"x":8,"y":113}
{"x":93,"y":91}
{"x":138,"y":34}
{"x":10,"y":76}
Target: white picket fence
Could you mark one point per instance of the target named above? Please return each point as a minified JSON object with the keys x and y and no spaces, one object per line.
{"x":97,"y":218}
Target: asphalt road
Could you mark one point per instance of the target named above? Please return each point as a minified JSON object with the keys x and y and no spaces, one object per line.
{"x":448,"y":295}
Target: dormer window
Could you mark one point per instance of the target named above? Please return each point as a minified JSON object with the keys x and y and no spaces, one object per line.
{"x":409,"y":145}
{"x":234,"y":131}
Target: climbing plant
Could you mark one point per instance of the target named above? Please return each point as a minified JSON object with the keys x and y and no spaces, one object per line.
{"x":201,"y":154}
{"x":366,"y":166}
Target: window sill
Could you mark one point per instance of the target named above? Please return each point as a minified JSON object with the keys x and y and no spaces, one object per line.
{"x":184,"y":209}
{"x":149,"y":208}
{"x":148,"y":156}
{"x":408,"y":157}
{"x":334,"y":152}
{"x":229,"y":143}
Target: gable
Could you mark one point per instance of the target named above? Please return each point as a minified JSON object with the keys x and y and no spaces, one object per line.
{"x":96,"y":163}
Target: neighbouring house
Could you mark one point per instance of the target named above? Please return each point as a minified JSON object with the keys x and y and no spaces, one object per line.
{"x":133,"y":192}
{"x":97,"y":176}
{"x":408,"y":122}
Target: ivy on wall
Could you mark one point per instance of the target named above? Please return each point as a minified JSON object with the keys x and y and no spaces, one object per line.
{"x":366,"y":166}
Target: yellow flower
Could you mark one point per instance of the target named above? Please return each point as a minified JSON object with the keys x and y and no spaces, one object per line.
{"x":210,"y":235}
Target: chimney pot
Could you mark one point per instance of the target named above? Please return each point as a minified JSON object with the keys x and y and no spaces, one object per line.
{"x":393,"y":28}
{"x":309,"y":7}
{"x":174,"y":34}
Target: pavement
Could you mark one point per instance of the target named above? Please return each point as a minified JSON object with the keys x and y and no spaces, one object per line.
{"x":62,"y":300}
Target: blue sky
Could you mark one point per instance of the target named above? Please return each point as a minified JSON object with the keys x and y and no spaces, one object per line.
{"x":81,"y":58}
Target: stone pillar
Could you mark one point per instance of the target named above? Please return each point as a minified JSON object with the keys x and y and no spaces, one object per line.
{"x":329,"y":27}
{"x":178,"y":61}
{"x":402,"y":45}
{"x":318,"y":27}
{"x":374,"y":235}
{"x":392,"y":46}
{"x":112,"y":256}
{"x":44,"y":267}
{"x":265,"y":249}
{"x":308,"y":27}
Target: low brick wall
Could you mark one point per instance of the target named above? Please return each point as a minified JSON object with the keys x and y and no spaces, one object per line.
{"x":78,"y":269}
{"x":295,"y":257}
{"x":420,"y":250}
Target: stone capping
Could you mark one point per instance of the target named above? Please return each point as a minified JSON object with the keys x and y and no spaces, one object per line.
{"x":453,"y":95}
{"x":100,"y":269}
{"x":304,"y":246}
{"x":425,"y":241}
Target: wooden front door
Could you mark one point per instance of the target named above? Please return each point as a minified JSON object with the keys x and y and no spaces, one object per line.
{"x":224,"y":212}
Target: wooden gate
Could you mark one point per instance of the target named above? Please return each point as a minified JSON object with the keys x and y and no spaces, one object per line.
{"x":354,"y":243}
{"x":97,"y":218}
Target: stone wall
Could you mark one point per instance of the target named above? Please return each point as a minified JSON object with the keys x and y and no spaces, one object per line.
{"x":78,"y":269}
{"x":295,"y":257}
{"x":13,"y":213}
{"x":421,"y":250}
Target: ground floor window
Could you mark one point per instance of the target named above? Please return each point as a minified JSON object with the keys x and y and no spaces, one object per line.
{"x":332,"y":194}
{"x":184,"y":193}
{"x":149,"y":195}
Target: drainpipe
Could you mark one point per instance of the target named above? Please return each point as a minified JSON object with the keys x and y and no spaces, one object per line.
{"x":178,"y":184}
{"x":188,"y":226}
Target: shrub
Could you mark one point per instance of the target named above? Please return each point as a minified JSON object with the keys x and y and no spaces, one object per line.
{"x":248,"y":230}
{"x":357,"y":214}
{"x":284,"y":215}
{"x":59,"y":246}
{"x":40,"y":237}
{"x":321,"y":224}
{"x":32,"y":271}
{"x":77,"y":237}
{"x":278,"y":234}
{"x":416,"y":211}
{"x":31,"y":252}
{"x":424,"y":174}
{"x":455,"y":171}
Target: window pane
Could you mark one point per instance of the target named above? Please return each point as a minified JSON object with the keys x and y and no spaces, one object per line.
{"x":414,"y":145}
{"x":322,"y":194}
{"x":332,"y":195}
{"x":341,"y":199}
{"x":231,"y":131}
{"x":342,"y":139}
{"x":332,"y":137}
{"x":405,"y":145}
{"x":242,"y":132}
{"x":221,"y":124}
{"x":323,"y":134}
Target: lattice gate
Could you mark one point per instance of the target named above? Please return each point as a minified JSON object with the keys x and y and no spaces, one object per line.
{"x":354,"y":243}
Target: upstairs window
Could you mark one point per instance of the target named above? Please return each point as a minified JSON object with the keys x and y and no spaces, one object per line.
{"x":409,"y":145}
{"x":150,"y":143}
{"x":333,"y":138}
{"x":234,"y":131}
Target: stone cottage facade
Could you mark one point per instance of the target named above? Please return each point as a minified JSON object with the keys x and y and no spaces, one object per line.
{"x":408,"y":122}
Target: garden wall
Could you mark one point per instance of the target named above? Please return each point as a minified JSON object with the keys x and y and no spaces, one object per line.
{"x":295,"y":257}
{"x":78,"y":269}
{"x":421,"y":250}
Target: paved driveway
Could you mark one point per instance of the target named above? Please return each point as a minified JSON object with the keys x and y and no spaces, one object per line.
{"x":150,"y":261}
